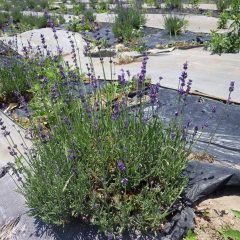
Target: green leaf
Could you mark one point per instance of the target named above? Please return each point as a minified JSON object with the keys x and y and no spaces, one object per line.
{"x":230,"y":234}
{"x":236,"y":213}
{"x":191,"y":235}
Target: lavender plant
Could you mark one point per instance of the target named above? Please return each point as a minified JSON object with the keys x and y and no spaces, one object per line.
{"x":227,"y":42}
{"x":126,"y":21}
{"x":97,"y":160}
{"x":13,"y":78}
{"x":175,"y":24}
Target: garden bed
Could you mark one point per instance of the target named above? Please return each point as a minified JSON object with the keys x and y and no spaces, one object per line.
{"x":202,"y":183}
{"x":123,"y":158}
{"x":206,"y":12}
{"x":152,"y":37}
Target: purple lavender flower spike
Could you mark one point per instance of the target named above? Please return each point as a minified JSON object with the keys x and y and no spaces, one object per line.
{"x":94,"y":82}
{"x":128,"y":73}
{"x":72,"y":154}
{"x":185,"y":66}
{"x":154,"y":90}
{"x":121,"y":78}
{"x":116,"y":111}
{"x":182,"y":80}
{"x":121,"y":166}
{"x":124,"y":181}
{"x":195,"y":131}
{"x":214,"y":108}
{"x":231,"y":89}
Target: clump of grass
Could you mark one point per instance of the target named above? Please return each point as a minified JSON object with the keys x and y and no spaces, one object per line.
{"x":4,"y":18}
{"x":174,"y":24}
{"x":102,"y":7}
{"x":78,"y":8}
{"x":93,"y":4}
{"x":31,"y":4}
{"x":98,"y":160}
{"x":44,"y":4}
{"x":223,"y":19}
{"x":174,"y":4}
{"x":126,"y":21}
{"x":103,"y":163}
{"x":222,"y":4}
{"x":227,"y":42}
{"x":23,"y":22}
{"x":13,"y":78}
{"x":17,"y":15}
{"x":86,"y":23}
{"x":154,"y":3}
{"x":194,"y":3}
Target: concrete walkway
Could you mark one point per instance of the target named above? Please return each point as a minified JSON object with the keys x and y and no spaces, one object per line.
{"x":15,"y":132}
{"x":211,"y":74}
{"x":197,"y":23}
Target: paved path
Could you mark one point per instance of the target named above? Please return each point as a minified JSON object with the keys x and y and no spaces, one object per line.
{"x":197,"y":23}
{"x":5,"y":156}
{"x":211,"y":74}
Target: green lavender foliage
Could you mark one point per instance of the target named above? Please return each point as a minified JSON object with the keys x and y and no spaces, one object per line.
{"x":98,"y":160}
{"x":126,"y":21}
{"x":174,"y":24}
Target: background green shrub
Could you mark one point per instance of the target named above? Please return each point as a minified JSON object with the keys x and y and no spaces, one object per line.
{"x":126,"y":21}
{"x":106,"y":165}
{"x":223,"y":19}
{"x":13,"y":78}
{"x":174,"y":4}
{"x":228,"y":42}
{"x":154,"y":3}
{"x":174,"y":24}
{"x":78,"y":8}
{"x":222,"y":4}
{"x":102,"y":7}
{"x":4,"y":18}
{"x":194,"y":3}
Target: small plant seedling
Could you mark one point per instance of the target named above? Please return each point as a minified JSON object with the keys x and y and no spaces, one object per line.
{"x":236,"y":213}
{"x":191,"y":235}
{"x":230,"y":234}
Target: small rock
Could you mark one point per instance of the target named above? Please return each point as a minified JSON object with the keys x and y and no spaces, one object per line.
{"x":155,"y":51}
{"x":128,"y":57}
{"x":121,"y":48}
{"x":158,"y":46}
{"x":54,"y":7}
{"x":11,"y":107}
{"x":101,"y":53}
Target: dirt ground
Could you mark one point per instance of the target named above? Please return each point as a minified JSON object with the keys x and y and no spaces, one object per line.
{"x":215,"y":214}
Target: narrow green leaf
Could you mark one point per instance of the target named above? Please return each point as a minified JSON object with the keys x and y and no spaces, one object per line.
{"x":230,"y":234}
{"x":191,"y":235}
{"x":236,"y":213}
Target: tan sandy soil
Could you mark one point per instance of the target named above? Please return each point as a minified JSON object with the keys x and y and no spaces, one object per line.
{"x":215,"y":214}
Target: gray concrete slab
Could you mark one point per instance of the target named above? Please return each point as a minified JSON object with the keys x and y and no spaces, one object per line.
{"x":197,"y":23}
{"x":205,"y":6}
{"x":211,"y":74}
{"x":15,"y":132}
